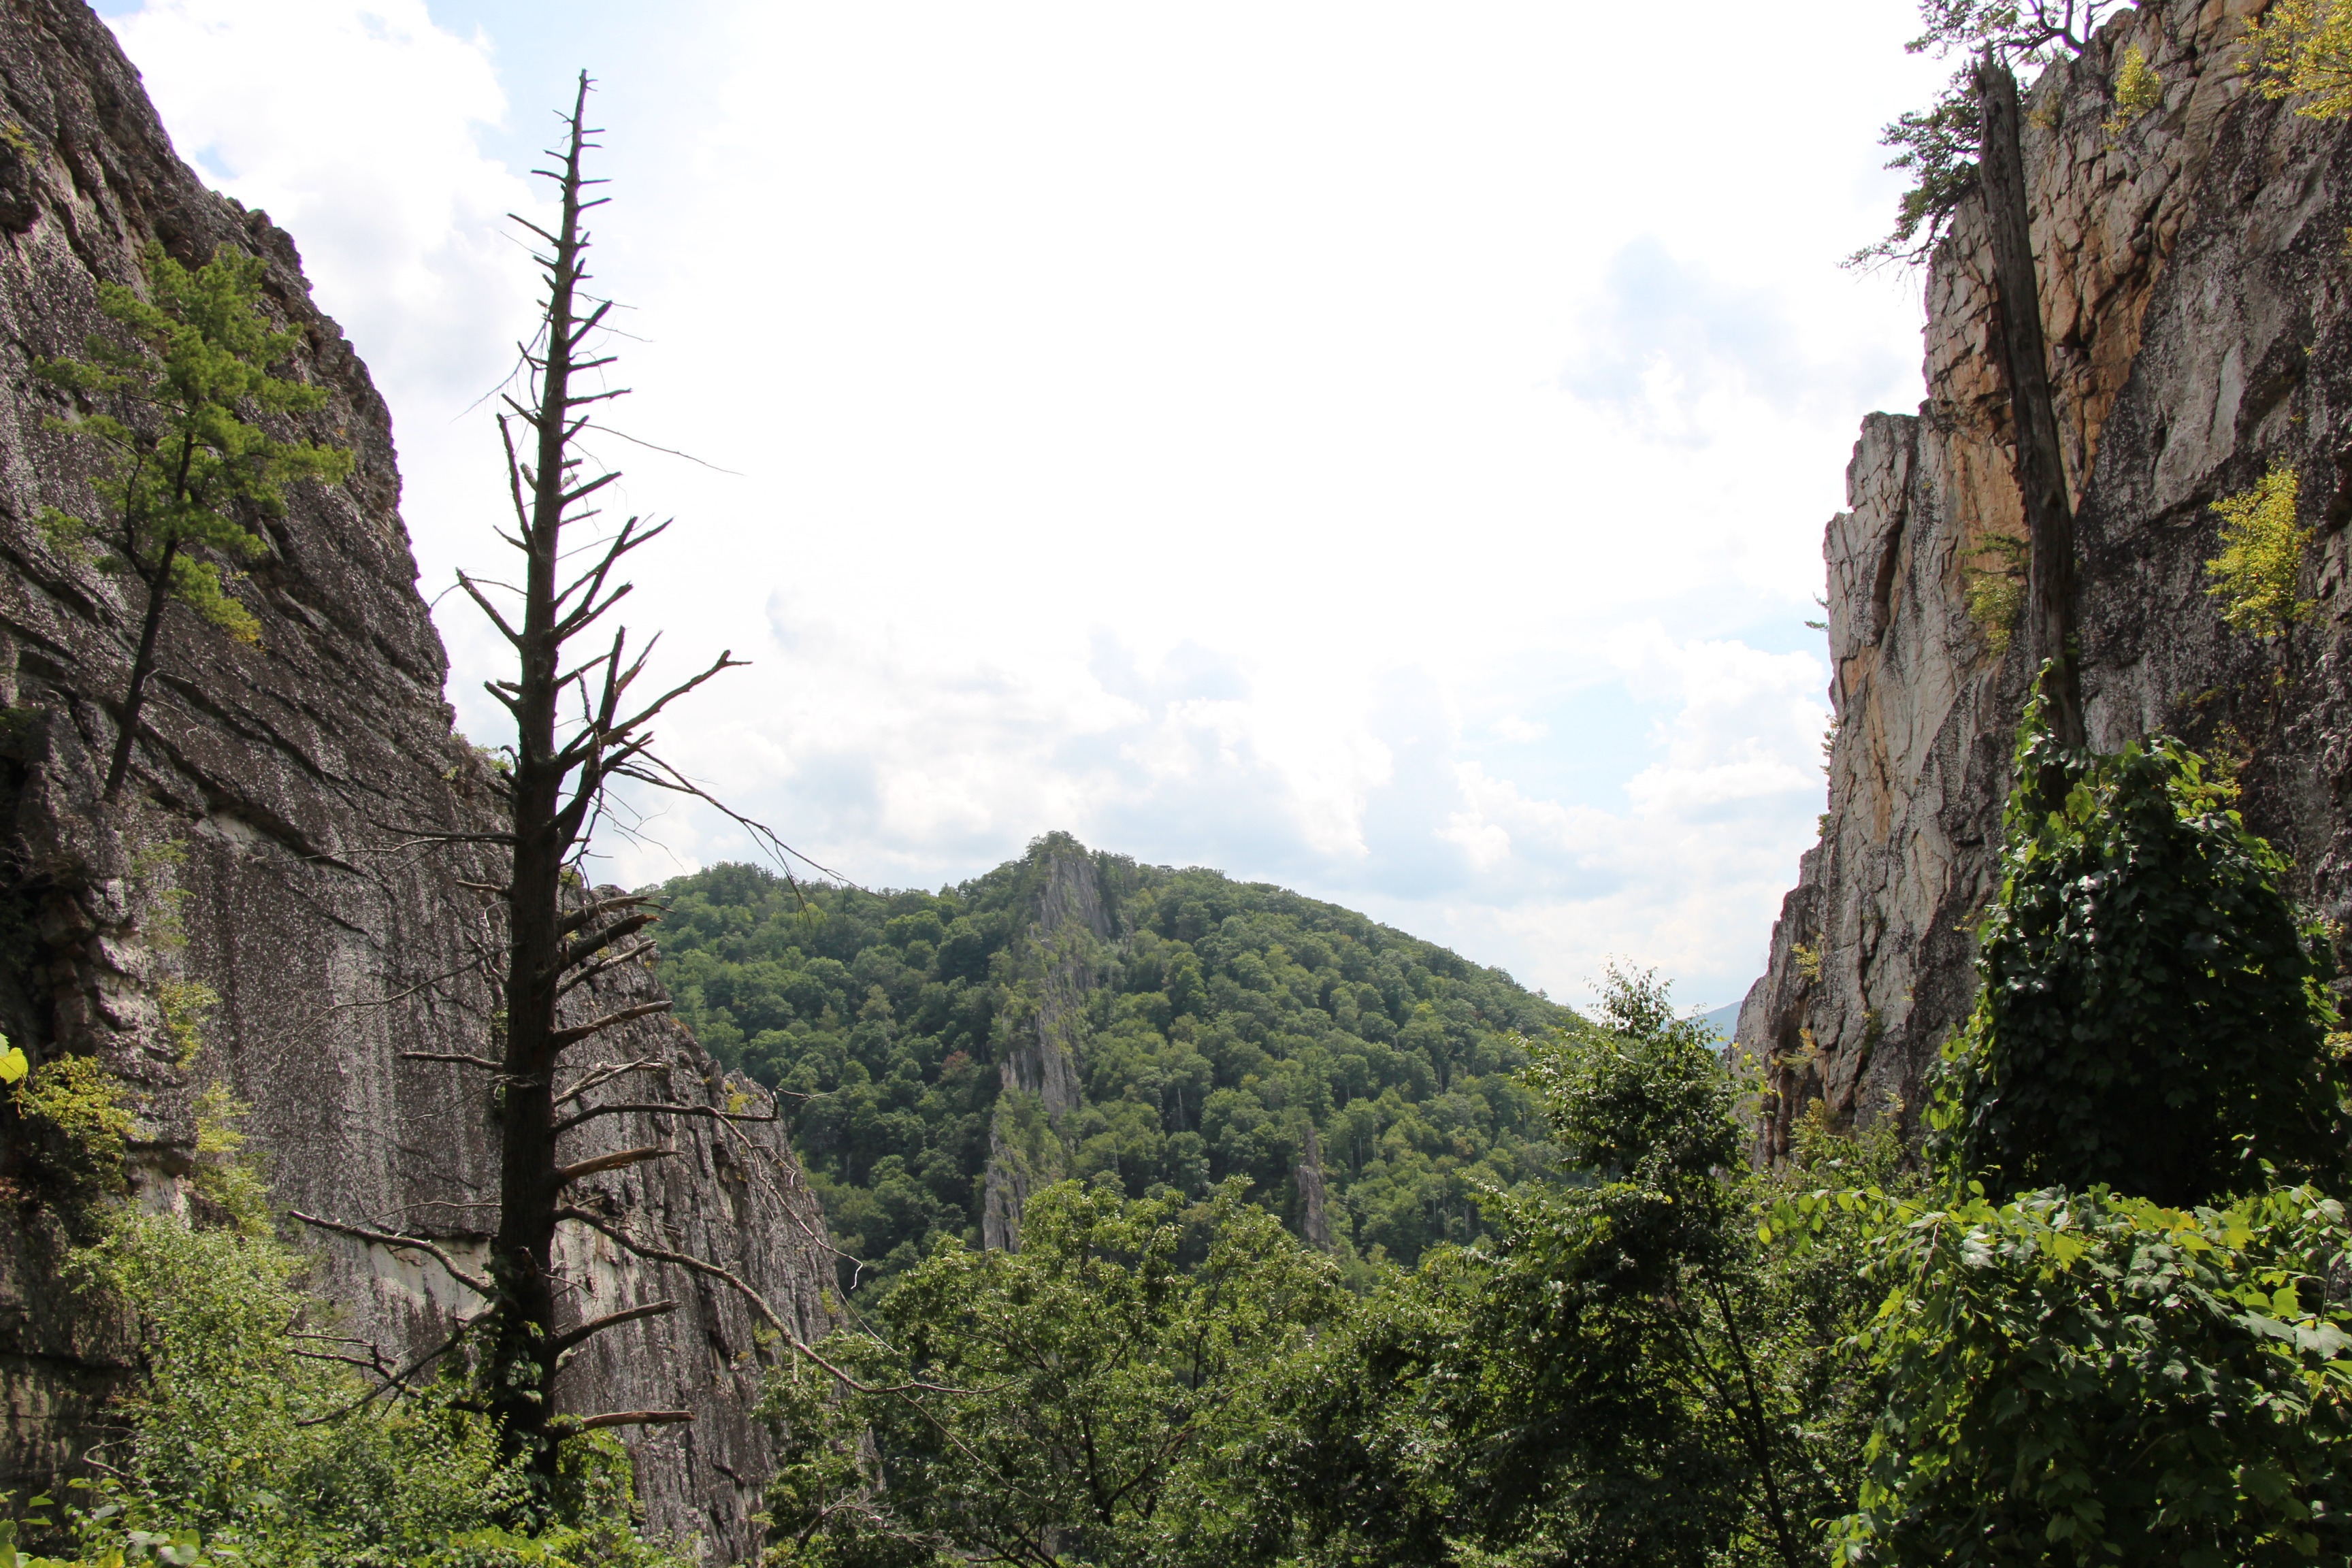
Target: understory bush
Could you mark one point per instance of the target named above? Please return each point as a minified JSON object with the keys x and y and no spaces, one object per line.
{"x":2153,"y":1013}
{"x":2116,"y":1332}
{"x":2088,"y":1378}
{"x":251,"y":1436}
{"x":252,"y":1432}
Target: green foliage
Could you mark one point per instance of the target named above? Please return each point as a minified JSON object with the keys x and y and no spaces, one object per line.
{"x":2302,"y":48}
{"x":1642,"y":1100}
{"x":1623,"y":1373}
{"x":1224,"y":1018}
{"x":1937,"y":146}
{"x":2092,"y":1379}
{"x":79,"y":1116}
{"x":1059,"y":1402}
{"x":2020,"y":32}
{"x":225,"y":1177}
{"x":2255,"y":575}
{"x":2138,"y":90}
{"x":2153,"y":1013}
{"x":253,"y":1441}
{"x":181,"y":466}
{"x":1996,"y":592}
{"x":187,"y":1005}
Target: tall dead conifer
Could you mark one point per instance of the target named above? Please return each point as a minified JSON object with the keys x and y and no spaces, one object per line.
{"x":557,"y":781}
{"x":560,"y":936}
{"x":1971,"y":141}
{"x":2041,"y":465}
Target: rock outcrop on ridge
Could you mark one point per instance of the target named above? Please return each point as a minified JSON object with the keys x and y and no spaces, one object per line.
{"x":2197,"y":295}
{"x":1039,"y":1072}
{"x":274,"y":850}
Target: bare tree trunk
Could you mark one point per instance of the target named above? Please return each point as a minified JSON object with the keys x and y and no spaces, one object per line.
{"x":523,"y":1351}
{"x":1759,"y":1439}
{"x":2034,"y":413}
{"x":143,"y":664}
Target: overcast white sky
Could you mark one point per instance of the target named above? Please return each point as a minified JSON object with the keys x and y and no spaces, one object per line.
{"x":1379,"y":449}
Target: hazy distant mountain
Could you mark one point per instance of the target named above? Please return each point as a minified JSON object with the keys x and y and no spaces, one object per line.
{"x":1724,"y":1019}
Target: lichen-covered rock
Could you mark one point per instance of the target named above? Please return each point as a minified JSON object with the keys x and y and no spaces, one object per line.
{"x":2195,"y":280}
{"x":278,"y":850}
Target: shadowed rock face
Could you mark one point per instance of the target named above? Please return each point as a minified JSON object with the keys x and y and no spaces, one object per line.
{"x":272,"y":852}
{"x":2195,"y":291}
{"x":1040,"y":1075}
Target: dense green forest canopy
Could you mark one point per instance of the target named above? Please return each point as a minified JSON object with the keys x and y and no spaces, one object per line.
{"x":1221,"y":1020}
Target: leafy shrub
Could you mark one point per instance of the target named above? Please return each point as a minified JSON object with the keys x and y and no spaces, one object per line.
{"x":2096,"y":1379}
{"x":249,"y":1435}
{"x":81,"y":1117}
{"x":228,"y":1178}
{"x":1996,"y":592}
{"x":2153,"y":1013}
{"x":2302,"y":48}
{"x":2262,"y":557}
{"x":248,"y":1429}
{"x":187,"y":1007}
{"x":2138,"y":90}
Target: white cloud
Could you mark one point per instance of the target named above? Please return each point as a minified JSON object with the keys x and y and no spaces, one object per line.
{"x":1521,"y":732}
{"x":355,"y":124}
{"x":1374,"y":449}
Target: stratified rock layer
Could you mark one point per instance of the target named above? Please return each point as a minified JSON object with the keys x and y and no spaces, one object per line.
{"x":2194,"y":287}
{"x":275,"y":851}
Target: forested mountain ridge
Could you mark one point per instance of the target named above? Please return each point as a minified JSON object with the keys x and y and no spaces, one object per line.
{"x":1215,"y":1023}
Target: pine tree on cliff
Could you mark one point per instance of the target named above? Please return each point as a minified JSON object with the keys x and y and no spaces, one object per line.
{"x":184,"y":475}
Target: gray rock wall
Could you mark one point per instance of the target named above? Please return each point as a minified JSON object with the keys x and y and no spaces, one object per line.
{"x":1039,"y":1067}
{"x":2195,"y":278}
{"x":271,"y":854}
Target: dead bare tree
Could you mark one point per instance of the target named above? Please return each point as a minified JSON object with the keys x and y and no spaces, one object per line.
{"x":1970,"y":142}
{"x":560,"y":936}
{"x":557,"y":786}
{"x":2041,"y":465}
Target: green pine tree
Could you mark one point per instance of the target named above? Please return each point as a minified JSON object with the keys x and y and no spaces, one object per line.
{"x":186,"y":472}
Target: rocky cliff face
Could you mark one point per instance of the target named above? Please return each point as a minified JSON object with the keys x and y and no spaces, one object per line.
{"x":2196,"y":282}
{"x":274,"y":853}
{"x":1060,"y":955}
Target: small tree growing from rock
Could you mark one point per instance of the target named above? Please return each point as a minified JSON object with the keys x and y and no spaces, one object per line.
{"x":186,"y":470}
{"x":2257,"y":575}
{"x":2302,"y":48}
